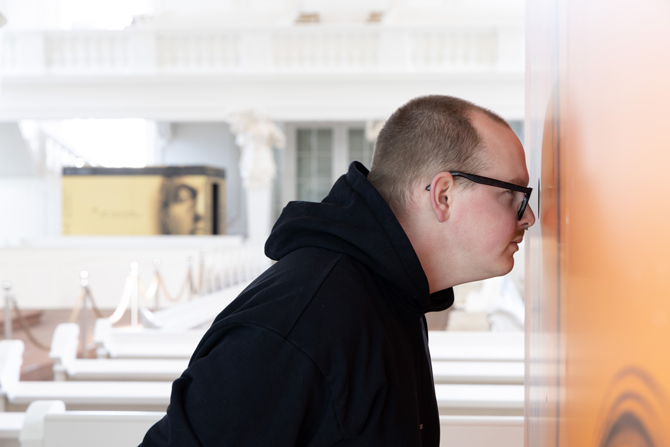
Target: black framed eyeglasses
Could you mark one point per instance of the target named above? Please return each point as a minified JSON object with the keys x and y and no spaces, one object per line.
{"x":498,"y":184}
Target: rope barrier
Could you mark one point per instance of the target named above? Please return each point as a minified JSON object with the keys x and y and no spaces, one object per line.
{"x":187,"y":286}
{"x":123,"y":304}
{"x":84,"y":294}
{"x":84,"y":297}
{"x":24,"y":325}
{"x":134,"y":290}
{"x":10,"y":301}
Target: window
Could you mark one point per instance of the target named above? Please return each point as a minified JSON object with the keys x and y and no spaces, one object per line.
{"x":314,"y":162}
{"x":317,"y":154}
{"x":360,"y":148}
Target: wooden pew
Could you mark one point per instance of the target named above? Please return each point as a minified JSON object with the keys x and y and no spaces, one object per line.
{"x":480,"y":400}
{"x":444,"y":345}
{"x":10,"y":428}
{"x":481,"y":431}
{"x":154,"y":396}
{"x":137,"y":396}
{"x":47,"y":424}
{"x":17,"y":395}
{"x":67,"y":366}
{"x":476,"y":346}
{"x":139,"y":343}
{"x":510,"y":373}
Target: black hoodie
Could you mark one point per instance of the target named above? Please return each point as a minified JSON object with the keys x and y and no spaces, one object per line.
{"x":327,"y":347}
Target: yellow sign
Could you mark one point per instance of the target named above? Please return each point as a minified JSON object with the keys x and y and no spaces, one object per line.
{"x":143,"y":201}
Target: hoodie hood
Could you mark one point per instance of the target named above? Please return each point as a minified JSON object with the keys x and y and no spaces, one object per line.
{"x":355,"y":220}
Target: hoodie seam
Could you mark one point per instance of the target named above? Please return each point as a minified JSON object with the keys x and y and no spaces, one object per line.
{"x":316,"y":292}
{"x":311,"y":360}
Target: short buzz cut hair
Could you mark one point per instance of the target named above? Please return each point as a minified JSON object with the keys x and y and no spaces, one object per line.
{"x":426,"y":136}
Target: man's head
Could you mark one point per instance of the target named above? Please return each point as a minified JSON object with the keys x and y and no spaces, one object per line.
{"x":461,"y":230}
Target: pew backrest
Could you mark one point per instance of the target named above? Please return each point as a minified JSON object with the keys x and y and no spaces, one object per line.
{"x":146,"y":343}
{"x":481,"y":431}
{"x":480,"y":400}
{"x":478,"y":372}
{"x":476,"y":346}
{"x":123,"y":369}
{"x":136,"y":396}
{"x":47,"y":424}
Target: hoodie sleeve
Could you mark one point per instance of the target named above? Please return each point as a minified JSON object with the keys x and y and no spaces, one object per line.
{"x":253,"y":388}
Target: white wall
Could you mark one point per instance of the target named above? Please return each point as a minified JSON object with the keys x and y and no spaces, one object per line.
{"x":211,"y":144}
{"x":15,"y":159}
{"x":29,"y":202}
{"x":29,"y":209}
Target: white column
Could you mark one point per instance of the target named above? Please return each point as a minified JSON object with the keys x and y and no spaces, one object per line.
{"x":3,"y":21}
{"x":256,"y":135}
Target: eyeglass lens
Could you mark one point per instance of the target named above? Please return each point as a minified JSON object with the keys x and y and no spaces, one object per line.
{"x":522,"y":206}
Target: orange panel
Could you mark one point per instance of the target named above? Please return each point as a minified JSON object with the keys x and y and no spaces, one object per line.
{"x":599,"y":267}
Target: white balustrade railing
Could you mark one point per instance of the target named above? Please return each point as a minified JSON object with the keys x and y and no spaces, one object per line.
{"x":307,"y":49}
{"x":456,"y":49}
{"x":274,"y":50}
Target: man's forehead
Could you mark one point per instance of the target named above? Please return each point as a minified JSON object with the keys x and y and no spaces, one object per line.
{"x":505,"y":160}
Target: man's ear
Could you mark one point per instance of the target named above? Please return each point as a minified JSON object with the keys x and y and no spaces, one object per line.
{"x":441,"y":195}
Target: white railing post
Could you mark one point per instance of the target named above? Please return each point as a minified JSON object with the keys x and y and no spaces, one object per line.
{"x":256,"y":50}
{"x":29,"y":53}
{"x":143,"y":57}
{"x":134,"y":294}
{"x":394,"y":49}
{"x":7,"y":286}
{"x":83,"y":282}
{"x":3,"y":22}
{"x":157,"y":278}
{"x":510,"y":50}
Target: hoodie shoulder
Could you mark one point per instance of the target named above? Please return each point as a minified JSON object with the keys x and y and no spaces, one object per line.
{"x":277,"y":298}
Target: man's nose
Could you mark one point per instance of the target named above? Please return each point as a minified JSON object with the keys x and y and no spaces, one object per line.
{"x":528,"y":218}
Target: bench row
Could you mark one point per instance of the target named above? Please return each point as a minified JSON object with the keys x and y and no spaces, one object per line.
{"x":444,"y":345}
{"x":486,"y":362}
{"x":48,"y":424}
{"x":154,"y":396}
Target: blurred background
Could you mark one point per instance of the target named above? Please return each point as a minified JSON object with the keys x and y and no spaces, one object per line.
{"x":147,"y":147}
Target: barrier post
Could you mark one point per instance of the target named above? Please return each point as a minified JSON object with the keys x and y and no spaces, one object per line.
{"x":134,"y":294}
{"x":83,"y":282}
{"x":201,"y":274}
{"x":157,"y":263}
{"x":189,"y":277}
{"x":7,"y":286}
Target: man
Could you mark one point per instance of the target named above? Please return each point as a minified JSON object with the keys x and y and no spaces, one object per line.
{"x":329,"y":345}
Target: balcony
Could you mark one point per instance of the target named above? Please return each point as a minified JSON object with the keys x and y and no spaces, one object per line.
{"x":201,"y":74}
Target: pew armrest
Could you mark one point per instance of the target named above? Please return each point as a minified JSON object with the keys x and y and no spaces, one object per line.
{"x":11,"y":359}
{"x":64,"y":343}
{"x":32,"y":433}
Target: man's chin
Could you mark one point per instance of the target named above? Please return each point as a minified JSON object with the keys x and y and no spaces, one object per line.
{"x":506,"y":268}
{"x":501,"y":270}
